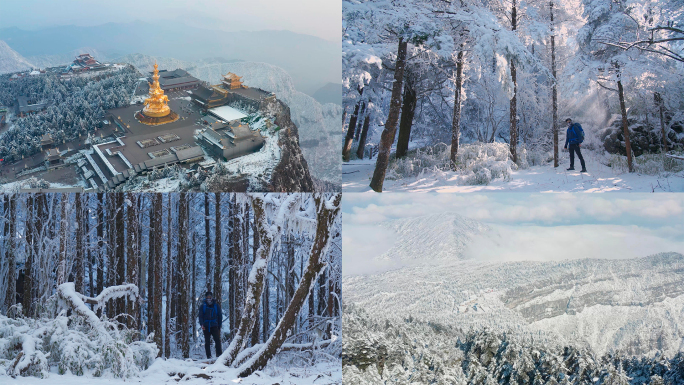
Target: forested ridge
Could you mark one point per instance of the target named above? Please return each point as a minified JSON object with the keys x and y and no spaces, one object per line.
{"x":417,"y":351}
{"x":75,"y":107}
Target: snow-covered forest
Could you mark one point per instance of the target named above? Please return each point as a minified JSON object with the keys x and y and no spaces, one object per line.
{"x":440,"y":94}
{"x":109,"y":285}
{"x":427,"y":352}
{"x":75,"y":107}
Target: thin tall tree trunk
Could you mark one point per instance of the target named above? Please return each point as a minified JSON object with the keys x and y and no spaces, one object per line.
{"x":207,"y":243}
{"x":358,"y":124}
{"x":362,"y":139}
{"x":111,"y":249}
{"x":514,"y":100}
{"x":326,"y":215}
{"x":100,"y":245}
{"x":88,"y":246}
{"x":10,"y":254}
{"x":150,"y":267}
{"x":30,"y":224}
{"x":406,"y":121}
{"x":184,"y":268}
{"x":625,"y":126}
{"x":169,"y":271}
{"x":661,"y":106}
{"x":217,"y":251}
{"x":120,"y":255}
{"x":390,"y":130}
{"x":79,"y":273}
{"x":349,"y":138}
{"x":63,"y":238}
{"x":193,"y":290}
{"x":132,"y":256}
{"x":158,"y":213}
{"x":555,"y":89}
{"x":456,"y":118}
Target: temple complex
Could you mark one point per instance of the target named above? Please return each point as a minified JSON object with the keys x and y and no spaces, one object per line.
{"x":156,"y":109}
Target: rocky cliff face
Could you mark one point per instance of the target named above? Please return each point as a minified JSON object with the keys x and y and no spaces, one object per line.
{"x":292,"y":172}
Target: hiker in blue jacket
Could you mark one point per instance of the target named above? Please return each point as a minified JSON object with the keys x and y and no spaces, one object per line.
{"x":211,"y":319}
{"x":574,"y":138}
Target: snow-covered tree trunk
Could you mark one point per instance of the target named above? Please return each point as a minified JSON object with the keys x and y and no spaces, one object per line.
{"x":10,"y":251}
{"x":456,"y":118}
{"x":514,"y":99}
{"x":661,"y":106}
{"x":132,"y":255}
{"x":351,"y":128}
{"x":357,"y":132}
{"x":157,"y":213}
{"x":327,"y":212}
{"x":79,"y":273}
{"x":554,"y":90}
{"x":625,"y":126}
{"x":63,"y":238}
{"x":120,"y":255}
{"x":100,"y":242}
{"x":362,"y":138}
{"x":410,"y":101}
{"x":268,"y":234}
{"x":390,"y":130}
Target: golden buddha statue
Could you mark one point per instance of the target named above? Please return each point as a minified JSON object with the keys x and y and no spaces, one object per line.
{"x":156,"y":105}
{"x":156,"y":109}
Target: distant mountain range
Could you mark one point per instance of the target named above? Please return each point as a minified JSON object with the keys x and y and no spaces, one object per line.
{"x":312,"y":62}
{"x":634,"y":305}
{"x":329,"y":93}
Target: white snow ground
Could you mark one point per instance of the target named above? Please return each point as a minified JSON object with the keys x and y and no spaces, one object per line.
{"x":194,"y":372}
{"x":356,"y":176}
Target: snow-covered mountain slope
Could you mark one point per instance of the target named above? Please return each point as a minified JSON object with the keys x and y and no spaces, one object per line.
{"x":431,"y":237}
{"x":11,"y":61}
{"x":634,"y":305}
{"x":44,"y":61}
{"x":319,"y":124}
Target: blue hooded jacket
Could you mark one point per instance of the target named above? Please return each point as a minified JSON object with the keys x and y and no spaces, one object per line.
{"x":210,"y":315}
{"x":573,"y":134}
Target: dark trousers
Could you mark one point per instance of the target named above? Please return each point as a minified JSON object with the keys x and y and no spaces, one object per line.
{"x":575,"y":148}
{"x":212,"y":332}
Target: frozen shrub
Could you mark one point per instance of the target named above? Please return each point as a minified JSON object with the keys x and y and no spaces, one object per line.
{"x":79,"y":344}
{"x":477,"y":163}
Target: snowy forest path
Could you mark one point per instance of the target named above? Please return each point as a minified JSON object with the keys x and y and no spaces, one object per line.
{"x":545,"y":178}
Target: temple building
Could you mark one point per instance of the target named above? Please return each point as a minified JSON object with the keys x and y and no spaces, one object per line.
{"x":157,"y":110}
{"x":230,"y":90}
{"x":230,"y":142}
{"x":85,"y":62}
{"x":54,"y":158}
{"x":176,"y":80}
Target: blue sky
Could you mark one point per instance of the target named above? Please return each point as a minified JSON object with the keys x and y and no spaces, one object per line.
{"x":525,"y":226}
{"x":322,"y":18}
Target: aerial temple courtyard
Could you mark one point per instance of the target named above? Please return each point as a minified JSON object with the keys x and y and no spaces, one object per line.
{"x":174,"y":119}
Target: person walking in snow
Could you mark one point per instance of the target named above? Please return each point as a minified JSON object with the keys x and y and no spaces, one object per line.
{"x":574,"y":138}
{"x":211,"y":319}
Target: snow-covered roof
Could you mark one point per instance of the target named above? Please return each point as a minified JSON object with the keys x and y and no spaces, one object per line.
{"x":227,"y":113}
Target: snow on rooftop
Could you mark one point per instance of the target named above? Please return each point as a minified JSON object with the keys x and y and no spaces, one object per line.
{"x":227,"y":113}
